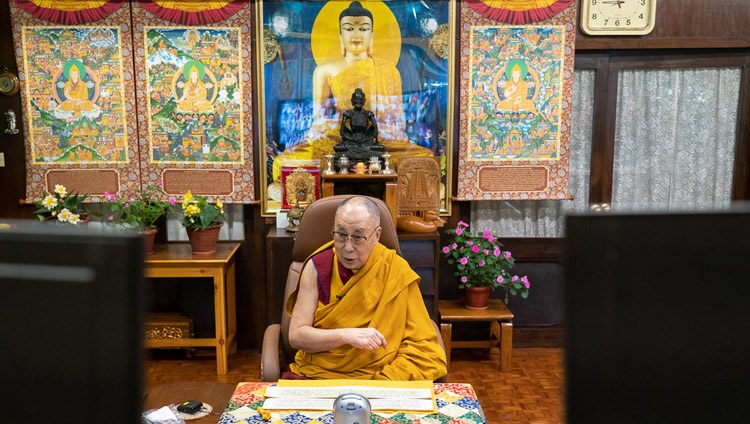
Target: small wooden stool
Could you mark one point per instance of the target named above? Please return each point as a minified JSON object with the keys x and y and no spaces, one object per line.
{"x":501,"y":327}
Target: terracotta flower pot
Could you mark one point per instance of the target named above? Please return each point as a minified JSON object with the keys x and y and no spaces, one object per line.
{"x":204,"y":242}
{"x":148,"y":240}
{"x":477,"y":297}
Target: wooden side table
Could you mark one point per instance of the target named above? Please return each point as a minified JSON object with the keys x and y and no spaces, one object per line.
{"x":501,"y":327}
{"x":175,"y":260}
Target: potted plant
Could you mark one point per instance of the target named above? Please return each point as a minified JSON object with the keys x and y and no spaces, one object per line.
{"x":202,"y":221}
{"x":140,"y":211}
{"x":63,"y":207}
{"x":481,"y":263}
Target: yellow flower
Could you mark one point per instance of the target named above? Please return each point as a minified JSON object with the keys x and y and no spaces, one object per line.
{"x":219,"y":206}
{"x":74,"y":218}
{"x":64,"y":215}
{"x":49,"y":202}
{"x":191,"y":210}
{"x":187,"y":200}
{"x":61,"y":190}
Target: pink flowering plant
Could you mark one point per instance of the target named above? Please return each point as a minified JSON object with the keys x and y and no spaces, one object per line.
{"x":480,"y":261}
{"x":140,"y":210}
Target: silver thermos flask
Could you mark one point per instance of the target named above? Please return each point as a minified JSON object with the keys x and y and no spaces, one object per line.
{"x":351,"y":408}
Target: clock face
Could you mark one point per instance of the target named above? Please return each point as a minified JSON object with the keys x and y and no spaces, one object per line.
{"x":617,"y":17}
{"x":8,"y":84}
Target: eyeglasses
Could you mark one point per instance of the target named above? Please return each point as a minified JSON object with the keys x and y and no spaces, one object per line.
{"x":356,"y":239}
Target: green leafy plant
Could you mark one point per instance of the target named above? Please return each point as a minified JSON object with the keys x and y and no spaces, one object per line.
{"x":199,"y":214}
{"x":64,"y":207}
{"x":141,"y":210}
{"x":480,"y":262}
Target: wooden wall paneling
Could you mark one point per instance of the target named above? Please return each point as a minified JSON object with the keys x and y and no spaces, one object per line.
{"x":13,"y":174}
{"x":741,"y":183}
{"x":279,"y":245}
{"x":602,"y":148}
{"x":250,"y":277}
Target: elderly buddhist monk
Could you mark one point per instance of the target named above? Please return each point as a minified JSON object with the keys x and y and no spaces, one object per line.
{"x":357,"y":311}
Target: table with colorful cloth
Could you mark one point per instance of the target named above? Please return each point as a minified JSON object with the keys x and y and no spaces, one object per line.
{"x":456,"y":403}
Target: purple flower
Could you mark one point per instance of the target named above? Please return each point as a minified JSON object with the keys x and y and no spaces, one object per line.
{"x":464,"y":279}
{"x":446,"y":249}
{"x":455,"y":246}
{"x":459,"y":231}
{"x":486,"y":251}
{"x":463,"y":224}
{"x":463,"y":261}
{"x":496,"y":252}
{"x":475,"y":249}
{"x":481,"y":263}
{"x":172,"y":201}
{"x":110,"y":218}
{"x":525,"y":281}
{"x":507,"y":254}
{"x":500,"y":279}
{"x":469,"y":243}
{"x":514,"y":278}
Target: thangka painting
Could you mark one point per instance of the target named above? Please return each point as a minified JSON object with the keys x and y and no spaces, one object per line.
{"x":516,"y":88}
{"x":316,"y":53}
{"x":78,"y":120}
{"x":196,"y":121}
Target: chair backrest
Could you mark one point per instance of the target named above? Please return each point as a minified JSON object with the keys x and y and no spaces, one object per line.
{"x":314,"y":231}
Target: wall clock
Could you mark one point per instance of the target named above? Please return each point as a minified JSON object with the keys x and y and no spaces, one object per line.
{"x":9,"y":83}
{"x":617,"y":17}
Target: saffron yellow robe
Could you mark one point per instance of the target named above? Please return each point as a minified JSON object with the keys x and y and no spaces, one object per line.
{"x":385,"y":295}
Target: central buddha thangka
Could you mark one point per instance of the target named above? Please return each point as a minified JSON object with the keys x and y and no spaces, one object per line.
{"x":337,"y":79}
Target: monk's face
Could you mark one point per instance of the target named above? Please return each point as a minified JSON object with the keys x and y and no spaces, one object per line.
{"x":354,"y":220}
{"x":516,"y":75}
{"x":74,"y":75}
{"x":356,"y":33}
{"x":194,"y":76}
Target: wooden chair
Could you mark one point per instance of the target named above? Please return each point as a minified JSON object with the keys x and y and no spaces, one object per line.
{"x":314,"y":231}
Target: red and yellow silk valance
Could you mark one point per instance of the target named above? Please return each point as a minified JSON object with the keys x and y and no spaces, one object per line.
{"x":518,"y":11}
{"x":194,"y":12}
{"x":70,"y":12}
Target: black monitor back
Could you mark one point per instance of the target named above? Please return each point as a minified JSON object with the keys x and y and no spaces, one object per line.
{"x":71,"y":322}
{"x":658,"y":318}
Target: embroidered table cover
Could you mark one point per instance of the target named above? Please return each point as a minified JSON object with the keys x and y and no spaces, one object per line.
{"x":456,"y":403}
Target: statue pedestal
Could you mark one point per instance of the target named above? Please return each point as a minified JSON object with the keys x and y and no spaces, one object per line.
{"x":375,"y":185}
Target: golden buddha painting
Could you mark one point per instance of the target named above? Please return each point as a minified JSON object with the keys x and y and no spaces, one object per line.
{"x":516,"y":91}
{"x":74,"y":80}
{"x":195,"y":95}
{"x":392,"y":51}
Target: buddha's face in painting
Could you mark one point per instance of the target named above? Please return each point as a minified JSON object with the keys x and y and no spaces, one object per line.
{"x":356,"y":34}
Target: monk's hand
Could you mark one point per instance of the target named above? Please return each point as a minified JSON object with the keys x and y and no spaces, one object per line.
{"x":367,"y":338}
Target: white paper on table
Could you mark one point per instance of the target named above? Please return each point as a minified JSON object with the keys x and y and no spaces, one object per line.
{"x":326,"y":404}
{"x":334,"y":391}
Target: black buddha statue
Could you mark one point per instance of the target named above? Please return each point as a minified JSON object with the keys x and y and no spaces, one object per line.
{"x":359,"y":133}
